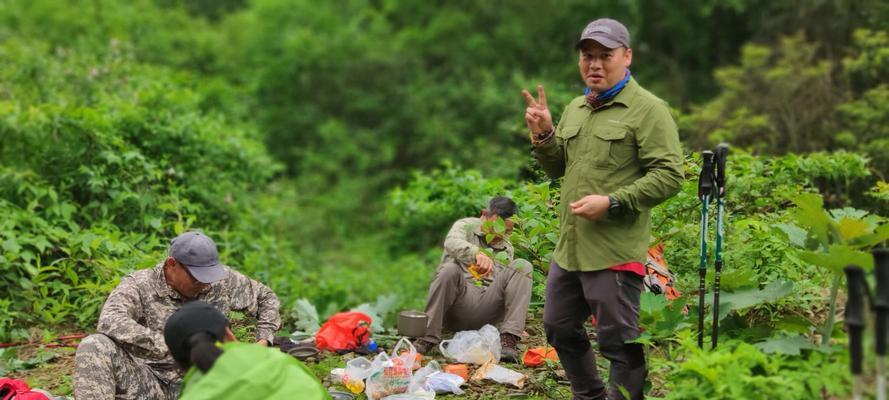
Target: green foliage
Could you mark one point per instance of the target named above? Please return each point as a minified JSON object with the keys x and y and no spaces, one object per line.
{"x":423,"y":210}
{"x":737,"y":370}
{"x":749,"y":297}
{"x":103,"y":160}
{"x":791,"y":345}
{"x":9,"y":361}
{"x":660,"y":319}
{"x":277,"y":125}
{"x":751,"y":108}
{"x":788,"y":98}
{"x":760,"y":260}
{"x":881,"y":191}
{"x":834,"y":240}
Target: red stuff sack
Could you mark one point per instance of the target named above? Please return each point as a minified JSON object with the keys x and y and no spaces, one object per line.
{"x":343,"y":331}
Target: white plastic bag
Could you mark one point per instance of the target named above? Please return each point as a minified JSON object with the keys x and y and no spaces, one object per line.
{"x":443,"y":382}
{"x":408,"y":354}
{"x":358,"y":368}
{"x":499,"y":374}
{"x":419,"y":378}
{"x":431,"y":379}
{"x":387,"y":378}
{"x":473,"y":347}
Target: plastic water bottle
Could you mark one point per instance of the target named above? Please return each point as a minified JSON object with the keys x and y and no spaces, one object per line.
{"x":353,"y":384}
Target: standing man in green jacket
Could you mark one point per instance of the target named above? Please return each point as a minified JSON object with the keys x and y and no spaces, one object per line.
{"x":618,"y":150}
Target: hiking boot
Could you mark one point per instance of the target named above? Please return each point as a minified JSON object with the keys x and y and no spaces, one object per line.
{"x":509,"y":349}
{"x":424,"y":346}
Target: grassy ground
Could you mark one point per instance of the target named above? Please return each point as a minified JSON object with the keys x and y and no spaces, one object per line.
{"x":54,"y":373}
{"x":544,"y":382}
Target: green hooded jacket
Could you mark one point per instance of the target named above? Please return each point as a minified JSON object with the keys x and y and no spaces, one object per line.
{"x":251,"y":371}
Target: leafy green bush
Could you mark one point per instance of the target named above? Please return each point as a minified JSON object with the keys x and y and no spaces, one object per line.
{"x":756,"y":252}
{"x":103,"y":160}
{"x":737,"y":370}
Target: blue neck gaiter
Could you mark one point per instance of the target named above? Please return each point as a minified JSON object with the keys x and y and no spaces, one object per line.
{"x":596,"y":100}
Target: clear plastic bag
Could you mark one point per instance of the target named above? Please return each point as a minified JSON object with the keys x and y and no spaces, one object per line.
{"x":404,"y":353}
{"x":358,"y":368}
{"x":387,"y":378}
{"x":473,"y":347}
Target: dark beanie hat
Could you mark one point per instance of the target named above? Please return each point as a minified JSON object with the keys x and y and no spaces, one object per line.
{"x":193,"y":317}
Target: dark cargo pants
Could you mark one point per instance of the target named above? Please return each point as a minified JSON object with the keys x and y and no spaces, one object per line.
{"x":613,"y":297}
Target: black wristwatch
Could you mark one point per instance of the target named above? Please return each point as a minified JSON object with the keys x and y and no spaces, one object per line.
{"x":614,"y":208}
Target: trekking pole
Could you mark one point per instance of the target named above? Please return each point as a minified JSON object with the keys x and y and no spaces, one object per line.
{"x":705,"y":190}
{"x":881,"y":304}
{"x":721,"y":155}
{"x":855,"y":287}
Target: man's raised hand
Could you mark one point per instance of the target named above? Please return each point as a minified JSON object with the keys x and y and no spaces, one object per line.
{"x":537,"y":114}
{"x":484,"y":264}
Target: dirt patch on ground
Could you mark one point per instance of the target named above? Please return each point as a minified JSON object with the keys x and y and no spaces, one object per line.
{"x":54,"y":375}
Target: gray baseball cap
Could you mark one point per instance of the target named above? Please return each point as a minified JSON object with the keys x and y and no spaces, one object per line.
{"x":197,"y":252}
{"x":608,"y":32}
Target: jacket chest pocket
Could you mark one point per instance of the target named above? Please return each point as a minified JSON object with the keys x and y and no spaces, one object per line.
{"x":611,"y":147}
{"x":568,"y":137}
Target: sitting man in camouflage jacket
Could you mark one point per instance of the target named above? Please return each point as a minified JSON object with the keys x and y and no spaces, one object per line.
{"x":127,"y":358}
{"x":472,"y":289}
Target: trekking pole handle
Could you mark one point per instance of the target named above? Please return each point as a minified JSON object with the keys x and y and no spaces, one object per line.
{"x":705,"y":180}
{"x":721,"y":157}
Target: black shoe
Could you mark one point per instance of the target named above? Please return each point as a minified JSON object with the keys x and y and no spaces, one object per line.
{"x":424,"y":346}
{"x":509,"y":348}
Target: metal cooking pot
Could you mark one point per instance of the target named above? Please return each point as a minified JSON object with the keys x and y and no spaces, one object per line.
{"x":412,"y":323}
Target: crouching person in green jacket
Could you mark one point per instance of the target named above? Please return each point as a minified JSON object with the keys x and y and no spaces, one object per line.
{"x":232,"y":370}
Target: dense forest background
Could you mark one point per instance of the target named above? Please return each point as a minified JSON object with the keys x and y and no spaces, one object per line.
{"x":327,"y":147}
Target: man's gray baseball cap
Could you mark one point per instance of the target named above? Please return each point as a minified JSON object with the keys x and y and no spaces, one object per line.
{"x":197,"y":252}
{"x":608,"y":32}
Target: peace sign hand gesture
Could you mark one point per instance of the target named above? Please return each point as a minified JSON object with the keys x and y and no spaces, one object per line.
{"x":537,"y":114}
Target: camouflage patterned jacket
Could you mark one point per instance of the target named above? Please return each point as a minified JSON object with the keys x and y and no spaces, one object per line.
{"x":135,"y":313}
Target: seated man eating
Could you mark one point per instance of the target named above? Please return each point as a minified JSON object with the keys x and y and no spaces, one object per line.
{"x":471,"y":289}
